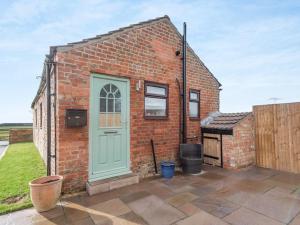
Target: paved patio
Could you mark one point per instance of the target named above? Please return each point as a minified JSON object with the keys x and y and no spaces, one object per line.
{"x":252,"y":196}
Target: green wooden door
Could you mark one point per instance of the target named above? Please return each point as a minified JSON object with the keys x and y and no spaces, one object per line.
{"x":109,"y":127}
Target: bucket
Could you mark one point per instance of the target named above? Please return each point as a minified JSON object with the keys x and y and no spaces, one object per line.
{"x":167,"y":169}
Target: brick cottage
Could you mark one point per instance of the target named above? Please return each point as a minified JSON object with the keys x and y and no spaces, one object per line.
{"x":110,"y":95}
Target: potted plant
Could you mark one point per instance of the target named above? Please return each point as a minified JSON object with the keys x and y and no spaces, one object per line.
{"x":45,"y":192}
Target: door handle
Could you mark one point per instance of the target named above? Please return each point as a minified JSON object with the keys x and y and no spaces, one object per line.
{"x":110,"y":132}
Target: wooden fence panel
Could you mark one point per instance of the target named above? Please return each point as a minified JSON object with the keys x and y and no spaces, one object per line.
{"x":212,"y":149}
{"x":277,"y":136}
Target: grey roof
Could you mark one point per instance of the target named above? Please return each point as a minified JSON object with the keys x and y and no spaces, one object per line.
{"x":223,"y":121}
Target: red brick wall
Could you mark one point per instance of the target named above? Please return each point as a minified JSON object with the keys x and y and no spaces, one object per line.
{"x":244,"y":142}
{"x":20,"y":135}
{"x":40,"y":125}
{"x":229,"y":155}
{"x":146,"y":52}
{"x":239,"y":148}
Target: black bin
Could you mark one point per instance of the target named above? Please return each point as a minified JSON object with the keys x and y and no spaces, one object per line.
{"x":191,"y":158}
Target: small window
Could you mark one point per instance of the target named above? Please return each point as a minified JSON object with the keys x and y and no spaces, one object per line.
{"x":156,"y":100}
{"x":194,"y":104}
{"x":41,"y":115}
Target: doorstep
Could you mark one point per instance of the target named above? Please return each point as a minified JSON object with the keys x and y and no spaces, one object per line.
{"x":109,"y":184}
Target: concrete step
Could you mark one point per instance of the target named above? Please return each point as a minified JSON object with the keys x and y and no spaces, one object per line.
{"x":109,"y":184}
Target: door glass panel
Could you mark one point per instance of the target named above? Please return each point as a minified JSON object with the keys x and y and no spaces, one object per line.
{"x":118,"y":94}
{"x":118,"y":105}
{"x":103,"y":93}
{"x":110,"y":106}
{"x":102,"y":104}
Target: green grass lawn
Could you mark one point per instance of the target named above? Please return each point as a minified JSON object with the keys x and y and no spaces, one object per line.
{"x":21,"y":164}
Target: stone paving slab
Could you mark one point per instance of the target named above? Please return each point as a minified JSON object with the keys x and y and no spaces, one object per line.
{"x":246,"y":197}
{"x":113,"y":207}
{"x":189,"y":209}
{"x":296,"y":220}
{"x":253,"y":186}
{"x":255,"y":173}
{"x":134,"y":218}
{"x":202,"y":218}
{"x":216,"y":206}
{"x":241,"y":197}
{"x":155,"y":211}
{"x":287,"y":178}
{"x":278,"y":208}
{"x":181,"y":199}
{"x":281,"y":192}
{"x":134,"y":196}
{"x":247,"y":217}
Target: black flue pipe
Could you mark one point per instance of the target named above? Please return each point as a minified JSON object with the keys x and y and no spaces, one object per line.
{"x":184,"y":120}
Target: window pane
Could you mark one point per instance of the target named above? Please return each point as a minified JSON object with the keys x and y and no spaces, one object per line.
{"x":156,"y":90}
{"x":110,"y":105}
{"x":118,"y":94}
{"x":113,"y":88}
{"x":118,"y":105}
{"x":194,"y":96}
{"x":102,"y":119}
{"x":102,"y":104}
{"x":107,"y":87}
{"x":117,"y":117}
{"x":110,"y":119}
{"x":103,"y":93}
{"x":194,"y":109}
{"x":155,"y":107}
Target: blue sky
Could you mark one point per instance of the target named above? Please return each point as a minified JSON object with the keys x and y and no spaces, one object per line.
{"x":252,"y":47}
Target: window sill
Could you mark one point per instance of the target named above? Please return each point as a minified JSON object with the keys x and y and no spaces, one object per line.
{"x":195,"y":118}
{"x":156,"y":118}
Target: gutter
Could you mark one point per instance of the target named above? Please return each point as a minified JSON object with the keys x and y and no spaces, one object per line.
{"x":48,"y":86}
{"x":184,"y":120}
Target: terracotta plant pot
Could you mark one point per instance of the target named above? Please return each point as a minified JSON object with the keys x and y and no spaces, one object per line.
{"x":45,"y":192}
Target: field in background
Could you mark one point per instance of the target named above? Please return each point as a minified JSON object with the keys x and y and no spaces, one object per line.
{"x":5,"y":127}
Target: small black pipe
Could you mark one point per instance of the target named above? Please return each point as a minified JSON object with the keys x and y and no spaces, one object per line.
{"x":48,"y":68}
{"x":184,"y":120}
{"x":180,"y":114}
{"x":54,"y":115}
{"x":154,"y":157}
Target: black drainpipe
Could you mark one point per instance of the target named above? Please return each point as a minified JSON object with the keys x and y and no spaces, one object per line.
{"x":54,"y":113}
{"x":48,"y":68}
{"x":184,"y":120}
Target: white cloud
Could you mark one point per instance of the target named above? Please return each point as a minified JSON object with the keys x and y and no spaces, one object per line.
{"x":23,"y":11}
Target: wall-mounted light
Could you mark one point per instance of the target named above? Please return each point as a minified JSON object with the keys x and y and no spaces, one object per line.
{"x":138,"y":85}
